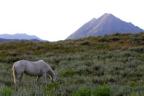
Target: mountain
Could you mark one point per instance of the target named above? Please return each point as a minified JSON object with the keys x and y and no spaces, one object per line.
{"x":107,"y":24}
{"x":19,"y":36}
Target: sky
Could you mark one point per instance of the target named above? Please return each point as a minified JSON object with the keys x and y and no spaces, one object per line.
{"x":55,"y":20}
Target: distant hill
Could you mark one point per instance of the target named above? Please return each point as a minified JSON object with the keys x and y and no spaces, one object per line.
{"x":105,"y":25}
{"x":22,"y":36}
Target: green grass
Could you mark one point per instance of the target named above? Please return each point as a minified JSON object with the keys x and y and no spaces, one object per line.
{"x":6,"y":91}
{"x":111,"y":65}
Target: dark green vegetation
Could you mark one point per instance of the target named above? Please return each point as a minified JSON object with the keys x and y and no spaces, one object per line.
{"x":101,"y":66}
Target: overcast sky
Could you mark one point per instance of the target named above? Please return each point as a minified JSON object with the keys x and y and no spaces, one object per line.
{"x":56,"y":19}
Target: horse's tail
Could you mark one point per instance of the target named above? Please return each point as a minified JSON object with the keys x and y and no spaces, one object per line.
{"x":14,"y":77}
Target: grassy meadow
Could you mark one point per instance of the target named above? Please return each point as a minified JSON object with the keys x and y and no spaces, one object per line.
{"x":94,"y":66}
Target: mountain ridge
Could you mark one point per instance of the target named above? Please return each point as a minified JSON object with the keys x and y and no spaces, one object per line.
{"x":19,"y":36}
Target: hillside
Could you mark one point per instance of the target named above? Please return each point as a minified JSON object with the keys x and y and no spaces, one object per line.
{"x":20,"y":36}
{"x":112,"y":65}
{"x":107,"y":24}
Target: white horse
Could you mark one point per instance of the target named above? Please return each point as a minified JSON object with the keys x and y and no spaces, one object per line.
{"x":37,"y":68}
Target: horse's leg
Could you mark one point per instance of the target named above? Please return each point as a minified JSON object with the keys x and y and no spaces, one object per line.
{"x":37,"y":81}
{"x":45,"y":77}
{"x":37,"y":78}
{"x":18,"y":78}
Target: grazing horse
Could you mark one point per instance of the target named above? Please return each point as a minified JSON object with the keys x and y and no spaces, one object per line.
{"x":34,"y":68}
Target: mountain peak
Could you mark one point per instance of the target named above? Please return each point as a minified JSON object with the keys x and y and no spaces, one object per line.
{"x":107,"y":15}
{"x":107,"y":24}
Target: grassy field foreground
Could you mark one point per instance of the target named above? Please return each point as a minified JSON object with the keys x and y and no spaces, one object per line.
{"x":94,"y":66}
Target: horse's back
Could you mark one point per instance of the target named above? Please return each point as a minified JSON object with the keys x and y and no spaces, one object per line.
{"x":31,"y":65}
{"x":19,"y":65}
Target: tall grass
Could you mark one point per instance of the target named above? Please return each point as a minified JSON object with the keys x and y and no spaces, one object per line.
{"x":86,"y":66}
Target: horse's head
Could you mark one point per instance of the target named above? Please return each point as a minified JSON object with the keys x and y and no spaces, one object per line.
{"x":54,"y":77}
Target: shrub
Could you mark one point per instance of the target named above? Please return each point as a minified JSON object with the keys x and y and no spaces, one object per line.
{"x":68,"y":72}
{"x":50,"y":89}
{"x":101,"y":90}
{"x":83,"y":91}
{"x":6,"y":91}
